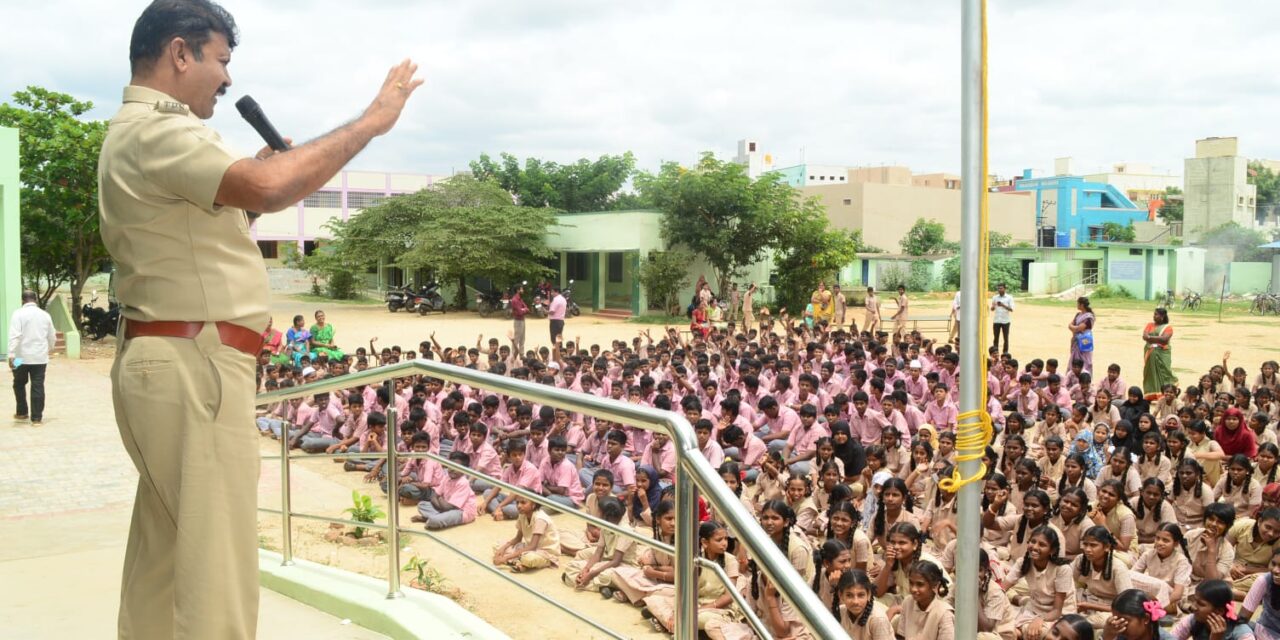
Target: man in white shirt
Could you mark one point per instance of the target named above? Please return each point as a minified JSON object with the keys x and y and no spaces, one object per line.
{"x":31,"y":339}
{"x":1001,"y":310}
{"x":556,"y":312}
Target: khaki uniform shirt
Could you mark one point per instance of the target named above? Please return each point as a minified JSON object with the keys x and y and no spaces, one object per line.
{"x":179,"y":256}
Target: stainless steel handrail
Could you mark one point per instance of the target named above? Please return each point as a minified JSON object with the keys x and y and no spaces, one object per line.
{"x":692,"y":471}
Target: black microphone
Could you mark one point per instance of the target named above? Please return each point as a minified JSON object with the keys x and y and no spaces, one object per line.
{"x":250,"y":111}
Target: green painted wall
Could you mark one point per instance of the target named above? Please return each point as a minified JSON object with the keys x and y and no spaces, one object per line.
{"x":1249,"y":277}
{"x":10,"y":258}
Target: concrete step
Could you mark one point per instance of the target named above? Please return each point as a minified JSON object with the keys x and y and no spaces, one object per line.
{"x":620,"y":314}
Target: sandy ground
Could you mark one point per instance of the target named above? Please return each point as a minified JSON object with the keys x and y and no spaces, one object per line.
{"x":321,"y":487}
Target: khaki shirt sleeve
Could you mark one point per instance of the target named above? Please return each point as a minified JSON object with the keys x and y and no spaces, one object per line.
{"x":185,"y":158}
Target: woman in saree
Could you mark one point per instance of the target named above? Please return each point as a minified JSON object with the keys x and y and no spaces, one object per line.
{"x":1082,"y":333}
{"x":322,"y":339}
{"x":273,"y":341}
{"x":1157,"y":359}
{"x":298,"y":340}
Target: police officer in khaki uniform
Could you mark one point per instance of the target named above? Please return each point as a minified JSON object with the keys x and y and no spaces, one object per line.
{"x":194,"y":293}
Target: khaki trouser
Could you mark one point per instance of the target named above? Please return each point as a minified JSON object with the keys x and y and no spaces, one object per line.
{"x":185,"y":413}
{"x":518,"y":337}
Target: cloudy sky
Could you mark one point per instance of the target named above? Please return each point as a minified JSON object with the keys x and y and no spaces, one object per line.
{"x":850,"y":82}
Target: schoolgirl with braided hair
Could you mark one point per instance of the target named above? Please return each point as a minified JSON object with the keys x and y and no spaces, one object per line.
{"x":895,"y":505}
{"x":1237,"y":487}
{"x":995,"y":613}
{"x":715,"y":603}
{"x":1153,"y":463}
{"x":1120,"y":468}
{"x":1026,"y":476}
{"x":939,"y":521}
{"x":1215,"y":615}
{"x":779,"y":522}
{"x":1151,"y":509}
{"x":904,"y":545}
{"x":1264,"y":471}
{"x":995,"y":487}
{"x":833,"y":560}
{"x":1050,"y":586}
{"x":1134,"y":616}
{"x":1071,"y":518}
{"x":1102,"y":574}
{"x":842,"y":525}
{"x":1168,"y":560}
{"x":1015,"y":449}
{"x":1075,"y":474}
{"x":1191,"y":494}
{"x":856,"y":608}
{"x":926,"y":615}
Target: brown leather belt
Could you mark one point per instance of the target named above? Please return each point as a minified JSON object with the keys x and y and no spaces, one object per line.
{"x":233,"y":335}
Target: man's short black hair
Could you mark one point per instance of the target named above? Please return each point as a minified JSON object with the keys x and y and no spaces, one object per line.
{"x":163,"y":20}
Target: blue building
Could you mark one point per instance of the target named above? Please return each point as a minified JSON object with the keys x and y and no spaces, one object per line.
{"x":1071,"y":210}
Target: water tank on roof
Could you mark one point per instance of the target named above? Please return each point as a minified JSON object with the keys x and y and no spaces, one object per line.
{"x":1063,"y":239}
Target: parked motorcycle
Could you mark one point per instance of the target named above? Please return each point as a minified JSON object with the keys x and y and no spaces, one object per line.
{"x":572,"y":308}
{"x":429,"y":299}
{"x":399,"y":298}
{"x":488,"y":302}
{"x":97,"y":322}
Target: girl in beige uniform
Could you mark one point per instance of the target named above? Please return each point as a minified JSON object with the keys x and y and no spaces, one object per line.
{"x":1072,"y":520}
{"x":717,"y":615}
{"x":1168,"y":560}
{"x":1191,"y":494}
{"x":655,"y":571}
{"x":858,"y":612}
{"x":1051,"y":590}
{"x":926,"y":615}
{"x":536,"y":543}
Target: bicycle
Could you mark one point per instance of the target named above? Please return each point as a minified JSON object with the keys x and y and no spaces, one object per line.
{"x":1190,"y":301}
{"x":1167,"y":300}
{"x":1264,"y":303}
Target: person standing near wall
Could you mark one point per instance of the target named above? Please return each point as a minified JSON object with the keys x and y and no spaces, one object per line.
{"x":735,"y":301}
{"x":1001,"y":310}
{"x":840,"y":303}
{"x":748,"y":309}
{"x":555,"y":313}
{"x":518,"y":311}
{"x":31,"y":340}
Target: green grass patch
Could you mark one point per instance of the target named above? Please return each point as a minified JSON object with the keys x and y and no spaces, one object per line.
{"x":362,"y":300}
{"x":1207,"y":309}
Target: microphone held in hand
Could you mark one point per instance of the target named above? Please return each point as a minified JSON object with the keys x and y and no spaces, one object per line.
{"x":250,"y":111}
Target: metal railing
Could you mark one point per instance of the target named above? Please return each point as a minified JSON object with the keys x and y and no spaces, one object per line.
{"x":693,"y":473}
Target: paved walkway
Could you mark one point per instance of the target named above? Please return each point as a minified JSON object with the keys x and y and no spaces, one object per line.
{"x":64,"y":517}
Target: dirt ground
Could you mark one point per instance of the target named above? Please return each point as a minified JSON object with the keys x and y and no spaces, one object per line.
{"x":321,"y":487}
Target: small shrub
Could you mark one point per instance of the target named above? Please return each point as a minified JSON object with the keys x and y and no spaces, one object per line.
{"x":1114,"y":292}
{"x":363,"y":510}
{"x":427,"y":576}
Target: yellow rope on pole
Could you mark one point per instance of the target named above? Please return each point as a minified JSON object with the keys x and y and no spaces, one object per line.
{"x":974,"y":430}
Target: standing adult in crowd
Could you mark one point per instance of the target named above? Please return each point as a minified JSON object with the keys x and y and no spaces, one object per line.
{"x":193,"y":292}
{"x":840,"y":304}
{"x":871,"y":320}
{"x":900,"y":316}
{"x":555,"y":312}
{"x":1001,"y":312}
{"x":518,"y":311}
{"x":31,"y":340}
{"x":1081,"y":327}
{"x":1157,"y":359}
{"x":748,"y":308}
{"x":735,"y":301}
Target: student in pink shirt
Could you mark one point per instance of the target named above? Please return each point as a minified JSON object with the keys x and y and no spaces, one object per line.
{"x":710,"y":448}
{"x":536,"y":448}
{"x":661,"y":455}
{"x":352,"y":427}
{"x":775,"y":422}
{"x":451,"y":502}
{"x":485,"y":458}
{"x":802,"y":444}
{"x":560,"y":481}
{"x":373,"y":440}
{"x":621,"y":466}
{"x":865,"y":424}
{"x":1027,"y":400}
{"x":418,"y":474}
{"x":518,"y":472}
{"x":746,"y":448}
{"x":941,"y":413}
{"x":317,"y":435}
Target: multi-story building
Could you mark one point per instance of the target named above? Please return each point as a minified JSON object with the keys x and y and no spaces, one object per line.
{"x":1217,"y":188}
{"x":303,"y":224}
{"x":1139,"y":182}
{"x":1069,"y":210}
{"x":753,"y":156}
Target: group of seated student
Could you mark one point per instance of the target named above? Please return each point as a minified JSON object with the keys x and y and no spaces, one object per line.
{"x":1105,"y":513}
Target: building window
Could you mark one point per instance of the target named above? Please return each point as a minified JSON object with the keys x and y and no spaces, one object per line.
{"x":842,"y":178}
{"x":751,"y":146}
{"x":848,"y":201}
{"x":324,"y":200}
{"x":1095,"y":234}
{"x":810,"y":177}
{"x":364,"y":199}
{"x":1240,"y":200}
{"x":309,"y":247}
{"x":1135,"y":252}
{"x":269,"y":248}
{"x":577,"y":265}
{"x":615,"y":267}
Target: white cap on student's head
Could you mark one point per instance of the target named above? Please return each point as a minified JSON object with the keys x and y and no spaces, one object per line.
{"x":880,"y":478}
{"x":308,"y":371}
{"x":553,"y":365}
{"x":915,"y":364}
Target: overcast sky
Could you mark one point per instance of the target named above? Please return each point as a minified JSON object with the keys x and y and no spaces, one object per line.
{"x":849,"y":82}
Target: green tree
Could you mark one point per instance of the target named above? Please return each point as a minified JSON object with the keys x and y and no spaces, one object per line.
{"x":1244,"y":241}
{"x":927,"y":237}
{"x":1171,"y":210}
{"x":1116,"y":232}
{"x":997,"y":240}
{"x":586,"y":185}
{"x":717,"y":211}
{"x":808,"y":251}
{"x":999,"y":269}
{"x":58,"y":152}
{"x":662,"y":275}
{"x":459,"y":229}
{"x":1267,"y":182}
{"x":860,"y":245}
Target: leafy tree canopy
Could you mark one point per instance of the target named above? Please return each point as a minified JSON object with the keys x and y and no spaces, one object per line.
{"x":927,"y":237}
{"x":1171,"y":210}
{"x":809,"y":251}
{"x":1244,"y":241}
{"x":1267,"y":182}
{"x":586,"y":185}
{"x":58,"y":152}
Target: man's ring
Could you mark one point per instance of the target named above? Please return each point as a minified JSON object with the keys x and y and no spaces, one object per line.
{"x":399,"y":85}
